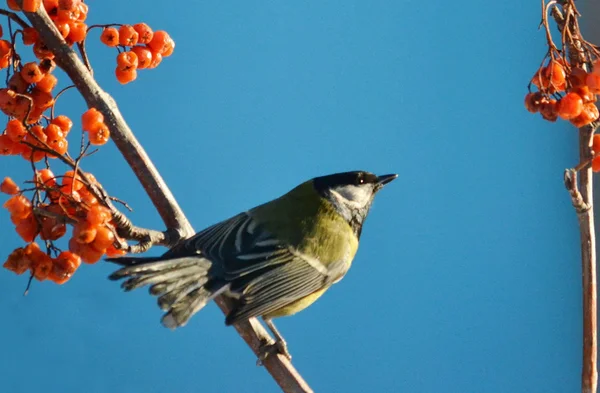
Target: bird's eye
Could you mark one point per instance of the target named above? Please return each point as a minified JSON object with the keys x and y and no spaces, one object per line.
{"x":360,"y":179}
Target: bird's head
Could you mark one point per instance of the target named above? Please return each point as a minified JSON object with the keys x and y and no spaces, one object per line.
{"x":351,"y":193}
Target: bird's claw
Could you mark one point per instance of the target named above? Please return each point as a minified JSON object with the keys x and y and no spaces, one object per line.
{"x":273,"y":348}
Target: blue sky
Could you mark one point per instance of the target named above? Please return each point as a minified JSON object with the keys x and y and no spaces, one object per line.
{"x":468,"y":274}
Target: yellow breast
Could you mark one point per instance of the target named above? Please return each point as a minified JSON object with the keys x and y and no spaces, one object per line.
{"x":296,"y":306}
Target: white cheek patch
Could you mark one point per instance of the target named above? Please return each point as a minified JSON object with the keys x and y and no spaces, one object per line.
{"x":355,"y":196}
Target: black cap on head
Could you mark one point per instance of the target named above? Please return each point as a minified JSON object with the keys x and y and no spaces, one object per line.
{"x":351,"y":178}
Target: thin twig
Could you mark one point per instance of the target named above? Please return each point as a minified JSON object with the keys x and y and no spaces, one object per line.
{"x":251,"y":331}
{"x":15,"y":17}
{"x":579,"y":183}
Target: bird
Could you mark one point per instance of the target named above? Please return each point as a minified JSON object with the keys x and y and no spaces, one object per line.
{"x":273,"y":260}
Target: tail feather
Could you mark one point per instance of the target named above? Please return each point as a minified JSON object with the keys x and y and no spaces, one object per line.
{"x":191,"y":303}
{"x":167,"y":299}
{"x":149,"y":277}
{"x":184,"y":285}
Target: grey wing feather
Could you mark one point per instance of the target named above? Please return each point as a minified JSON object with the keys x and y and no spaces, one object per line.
{"x":265,"y":274}
{"x":277,"y":288}
{"x":240,"y":245}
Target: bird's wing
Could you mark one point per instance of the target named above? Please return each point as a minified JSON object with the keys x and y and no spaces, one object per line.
{"x":266,"y":273}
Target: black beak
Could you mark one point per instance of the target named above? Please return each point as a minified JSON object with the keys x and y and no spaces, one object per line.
{"x":385,"y":179}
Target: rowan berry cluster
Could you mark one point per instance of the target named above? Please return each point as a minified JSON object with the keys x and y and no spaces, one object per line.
{"x":60,"y":200}
{"x":146,"y":48}
{"x":43,"y":212}
{"x":566,"y":92}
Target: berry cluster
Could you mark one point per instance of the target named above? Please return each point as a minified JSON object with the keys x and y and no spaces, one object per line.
{"x":67,"y":200}
{"x":146,"y":48}
{"x":43,"y":267}
{"x":68,"y":17}
{"x":566,"y":92}
{"x":71,"y":207}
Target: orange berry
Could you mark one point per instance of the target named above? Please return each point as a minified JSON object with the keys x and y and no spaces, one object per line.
{"x":156,"y":59}
{"x":68,"y":4}
{"x":68,"y":183}
{"x":585,"y":93}
{"x":596,"y":67}
{"x":128,"y":36}
{"x":596,"y":164}
{"x":64,"y":123}
{"x":47,"y":66}
{"x":47,"y":83}
{"x":548,"y":109}
{"x":60,"y":146}
{"x":31,"y":5}
{"x":593,"y":82}
{"x":89,"y":254}
{"x":104,"y":238}
{"x":66,"y":16}
{"x":596,"y":143}
{"x":570,"y":106}
{"x":5,"y":62}
{"x":44,"y":178}
{"x":63,"y":28}
{"x":82,"y":9}
{"x":8,"y":186}
{"x":63,"y":267}
{"x":587,"y":115}
{"x":30,"y":36}
{"x":533,"y":101}
{"x":144,"y":31}
{"x":577,"y":77}
{"x":41,"y":266}
{"x":125,"y":76}
{"x":32,"y":250}
{"x":53,"y":132}
{"x":12,"y":4}
{"x":18,"y":206}
{"x":21,"y":106}
{"x":162,"y":43}
{"x":87,"y":198}
{"x":51,"y":6}
{"x":78,"y":32}
{"x":17,"y":83}
{"x":97,"y":215}
{"x":144,"y":56}
{"x":99,"y":134}
{"x":74,"y":246}
{"x":127,"y":61}
{"x":6,"y":145}
{"x":52,"y":228}
{"x":36,"y":136}
{"x":84,"y":233}
{"x":90,"y":118}
{"x":42,"y":99}
{"x":5,"y":48}
{"x":41,"y":51}
{"x":8,"y":98}
{"x":113,"y":252}
{"x":17,"y":262}
{"x":28,"y":228}
{"x":110,"y":36}
{"x":31,"y":73}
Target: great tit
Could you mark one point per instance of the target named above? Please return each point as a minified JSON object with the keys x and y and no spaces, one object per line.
{"x":272,"y":261}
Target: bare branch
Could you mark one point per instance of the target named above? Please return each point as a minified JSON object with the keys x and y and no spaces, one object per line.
{"x":251,"y":331}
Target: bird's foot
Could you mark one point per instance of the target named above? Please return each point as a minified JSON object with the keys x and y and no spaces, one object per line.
{"x":273,"y":348}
